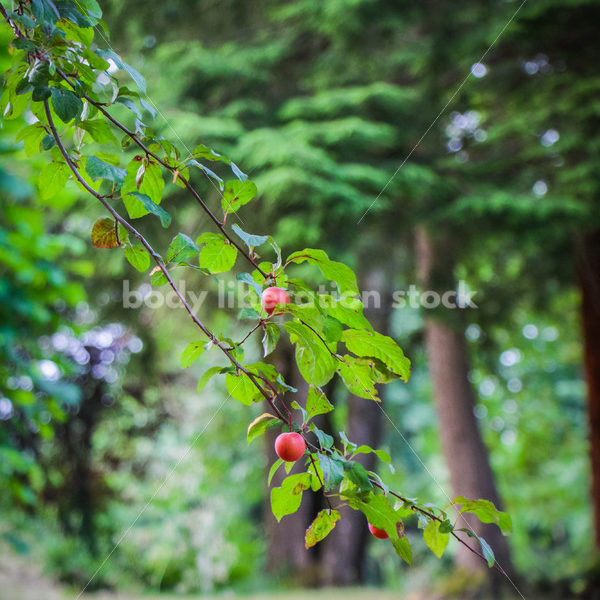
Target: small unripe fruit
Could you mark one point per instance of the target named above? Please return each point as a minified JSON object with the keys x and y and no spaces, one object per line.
{"x":378,"y":533}
{"x":273,"y":296}
{"x":290,"y":446}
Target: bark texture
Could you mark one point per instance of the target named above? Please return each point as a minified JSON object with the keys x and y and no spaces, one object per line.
{"x":464,"y":450}
{"x":589,"y":271}
{"x":285,"y":552}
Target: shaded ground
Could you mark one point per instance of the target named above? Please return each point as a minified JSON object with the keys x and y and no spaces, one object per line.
{"x":20,"y":580}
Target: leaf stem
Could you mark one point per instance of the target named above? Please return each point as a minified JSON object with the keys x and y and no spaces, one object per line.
{"x":431,"y":515}
{"x":158,"y":260}
{"x":172,"y":169}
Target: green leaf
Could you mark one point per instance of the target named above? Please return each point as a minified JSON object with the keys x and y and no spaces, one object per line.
{"x":135,"y":75}
{"x":283,"y":385}
{"x":265,"y":369}
{"x":343,"y":275}
{"x":358,"y":475}
{"x":217,"y":255}
{"x":379,"y":512}
{"x":435,"y":539}
{"x":152,"y":184}
{"x":104,"y":233}
{"x":317,"y":403}
{"x":332,"y":330}
{"x":487,"y":551}
{"x":23,"y":44}
{"x":249,"y":239}
{"x":315,"y":362}
{"x":486,"y":512}
{"x":31,"y":137}
{"x":68,"y":10}
{"x":208,"y":375}
{"x":191,"y":353}
{"x":358,"y":377}
{"x":368,"y":343}
{"x":298,"y":407}
{"x":238,"y":172}
{"x":48,"y":142}
{"x":45,"y":12}
{"x":130,"y":104}
{"x":347,"y":310}
{"x":247,"y":278}
{"x":23,"y":87}
{"x":348,"y":445}
{"x":237,"y":194}
{"x":182,"y":249}
{"x":138,"y":257}
{"x":100,"y":132}
{"x":243,"y":389}
{"x":39,"y":74}
{"x":53,"y":179}
{"x":202,"y":151}
{"x":248,"y":313}
{"x":321,"y":527}
{"x":333,"y":471}
{"x":325,"y":440}
{"x":261,"y":424}
{"x":270,"y":338}
{"x":306,"y":312}
{"x":403,"y":549}
{"x":66,"y":104}
{"x":153,"y":209}
{"x":92,"y":7}
{"x":98,"y":169}
{"x":24,"y":20}
{"x":446,"y":526}
{"x":273,"y":469}
{"x":286,"y":499}
{"x":158,"y":278}
{"x":41,"y":93}
{"x":381,"y":454}
{"x":207,"y":171}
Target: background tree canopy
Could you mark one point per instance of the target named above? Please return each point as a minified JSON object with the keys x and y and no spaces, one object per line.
{"x":430,"y":146}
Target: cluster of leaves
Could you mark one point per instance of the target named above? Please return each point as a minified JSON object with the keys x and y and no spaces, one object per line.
{"x":60,"y":75}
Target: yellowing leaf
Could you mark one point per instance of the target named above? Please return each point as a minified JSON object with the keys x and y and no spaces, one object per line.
{"x":321,"y":527}
{"x":260,"y":425}
{"x":104,"y":233}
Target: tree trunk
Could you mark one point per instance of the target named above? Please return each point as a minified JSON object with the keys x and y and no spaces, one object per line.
{"x":465,"y":453}
{"x":286,"y":553}
{"x":589,"y":277}
{"x":344,"y":550}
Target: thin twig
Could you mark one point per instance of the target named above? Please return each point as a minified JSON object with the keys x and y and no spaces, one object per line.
{"x":431,"y":515}
{"x":173,"y":170}
{"x":158,"y":260}
{"x":323,"y":340}
{"x":11,"y":22}
{"x":248,"y":334}
{"x":312,"y":460}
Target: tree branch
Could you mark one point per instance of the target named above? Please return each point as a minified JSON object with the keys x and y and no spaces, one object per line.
{"x":12,"y":24}
{"x":173,"y":170}
{"x":431,"y":515}
{"x":158,"y":260}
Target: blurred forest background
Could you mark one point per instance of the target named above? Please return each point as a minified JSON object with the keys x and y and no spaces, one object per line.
{"x":322,"y":102}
